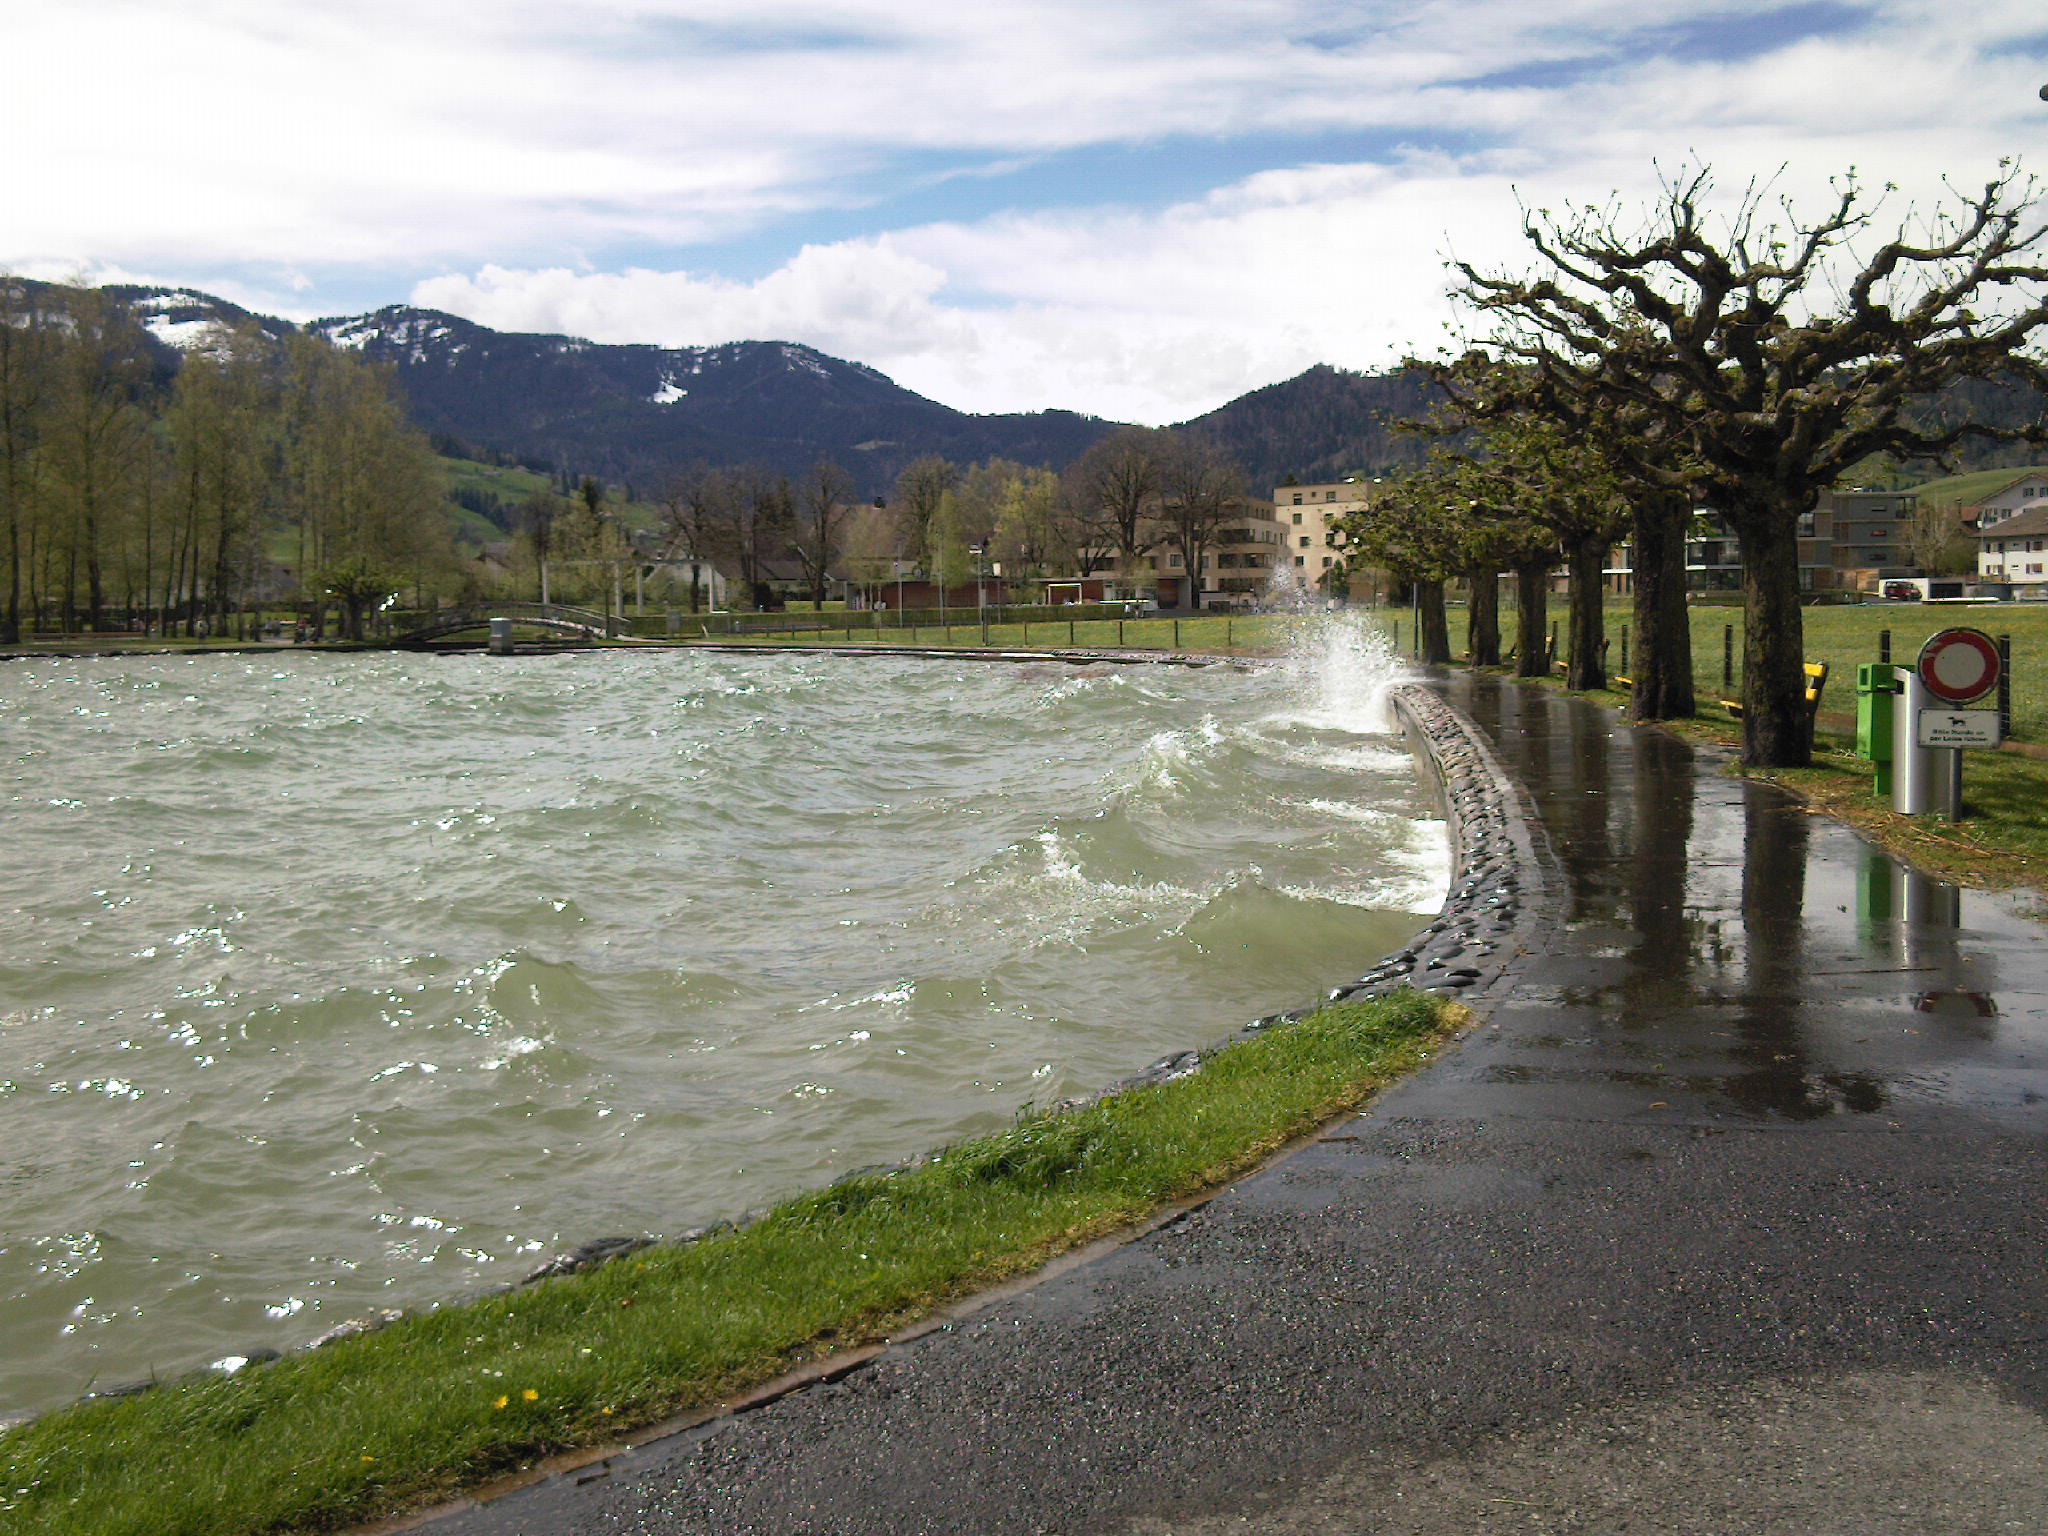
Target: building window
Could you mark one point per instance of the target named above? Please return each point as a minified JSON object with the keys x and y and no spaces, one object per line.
{"x":1297,"y":516}
{"x":1301,"y":560}
{"x":1329,"y":495}
{"x":2034,"y":569}
{"x":1297,"y":498}
{"x":1326,"y":560}
{"x":1304,"y":541}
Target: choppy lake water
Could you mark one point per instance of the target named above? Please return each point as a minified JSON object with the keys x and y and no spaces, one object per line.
{"x":332,"y":982}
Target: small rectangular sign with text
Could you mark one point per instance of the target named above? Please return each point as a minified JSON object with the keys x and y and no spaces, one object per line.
{"x":1959,"y":728}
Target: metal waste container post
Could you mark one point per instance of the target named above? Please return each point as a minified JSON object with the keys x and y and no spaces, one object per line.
{"x":501,"y":637}
{"x":1916,"y":770}
{"x":1876,"y":692}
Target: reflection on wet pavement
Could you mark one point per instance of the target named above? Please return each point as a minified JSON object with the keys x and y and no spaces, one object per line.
{"x":1719,"y":952}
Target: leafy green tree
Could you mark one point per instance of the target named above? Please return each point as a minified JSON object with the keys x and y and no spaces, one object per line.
{"x":93,"y":439}
{"x":1027,"y":534}
{"x":947,"y":556}
{"x":25,"y":365}
{"x":222,"y":423}
{"x":360,"y":482}
{"x":1414,"y":530}
{"x":1646,"y":460}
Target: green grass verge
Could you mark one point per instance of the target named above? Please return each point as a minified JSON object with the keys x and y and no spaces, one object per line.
{"x":393,"y":1419}
{"x":1844,"y":636}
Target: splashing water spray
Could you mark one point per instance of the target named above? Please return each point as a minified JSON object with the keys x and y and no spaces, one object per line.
{"x":1342,"y":662}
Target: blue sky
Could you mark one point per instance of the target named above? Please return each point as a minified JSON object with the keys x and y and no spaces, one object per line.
{"x":1136,"y":209}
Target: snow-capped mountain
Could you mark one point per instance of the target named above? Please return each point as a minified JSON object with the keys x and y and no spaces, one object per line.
{"x":637,"y":412}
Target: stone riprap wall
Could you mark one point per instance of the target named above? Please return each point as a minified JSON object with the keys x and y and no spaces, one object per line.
{"x":1500,"y":870}
{"x":1496,"y":901}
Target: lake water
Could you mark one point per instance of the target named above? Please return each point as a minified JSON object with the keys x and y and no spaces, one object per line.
{"x":338,"y":982}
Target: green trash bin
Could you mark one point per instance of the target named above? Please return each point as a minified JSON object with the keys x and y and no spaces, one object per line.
{"x":1876,"y":687}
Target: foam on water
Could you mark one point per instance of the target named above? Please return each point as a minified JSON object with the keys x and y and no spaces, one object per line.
{"x":478,"y":956}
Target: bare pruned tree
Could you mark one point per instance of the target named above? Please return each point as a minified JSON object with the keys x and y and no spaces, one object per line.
{"x":1113,"y":485}
{"x":1200,"y":491}
{"x":1781,"y":356}
{"x":821,"y":513}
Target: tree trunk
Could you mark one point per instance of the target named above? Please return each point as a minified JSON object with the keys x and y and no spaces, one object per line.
{"x":1585,"y":624}
{"x":1661,"y":688}
{"x":1532,"y":598}
{"x":1482,"y":617}
{"x":1775,"y":730}
{"x":1434,"y":643}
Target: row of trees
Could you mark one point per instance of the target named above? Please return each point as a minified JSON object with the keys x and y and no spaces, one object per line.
{"x":1136,"y":491}
{"x":1651,"y":365}
{"x":258,"y":471}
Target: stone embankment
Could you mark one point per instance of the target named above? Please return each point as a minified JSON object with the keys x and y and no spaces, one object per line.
{"x":1498,"y":877}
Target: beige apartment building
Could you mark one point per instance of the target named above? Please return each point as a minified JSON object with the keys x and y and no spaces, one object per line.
{"x":1235,"y":571}
{"x":1306,"y":514}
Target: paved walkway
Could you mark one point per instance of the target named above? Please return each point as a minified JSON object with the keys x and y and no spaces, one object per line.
{"x":1729,"y":1219}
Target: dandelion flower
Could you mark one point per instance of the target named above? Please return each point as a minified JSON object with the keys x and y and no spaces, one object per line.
{"x":500,"y":1402}
{"x":530,"y":1395}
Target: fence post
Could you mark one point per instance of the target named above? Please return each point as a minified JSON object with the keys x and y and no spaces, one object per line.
{"x":1176,"y":634}
{"x":1727,"y":655}
{"x":2005,"y":685}
{"x":1119,"y":632}
{"x":1070,"y":632}
{"x":1884,"y":647}
{"x":1624,"y":650}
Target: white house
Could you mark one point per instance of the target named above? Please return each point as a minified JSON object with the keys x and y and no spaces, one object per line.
{"x":2013,"y":551}
{"x":2022,"y":493}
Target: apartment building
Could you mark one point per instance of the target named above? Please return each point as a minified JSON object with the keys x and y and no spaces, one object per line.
{"x":1307,"y":515}
{"x":1235,"y":571}
{"x":1850,"y":541}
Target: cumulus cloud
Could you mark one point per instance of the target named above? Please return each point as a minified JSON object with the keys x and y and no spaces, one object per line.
{"x":1159,"y":314}
{"x":565,"y":166}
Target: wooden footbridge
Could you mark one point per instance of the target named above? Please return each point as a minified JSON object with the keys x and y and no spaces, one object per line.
{"x":584,"y":623}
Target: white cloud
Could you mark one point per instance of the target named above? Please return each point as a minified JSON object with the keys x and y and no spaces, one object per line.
{"x":527,"y":145}
{"x":1161,"y":314}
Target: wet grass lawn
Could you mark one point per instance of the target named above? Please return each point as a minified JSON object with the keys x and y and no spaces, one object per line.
{"x":398,"y":1418}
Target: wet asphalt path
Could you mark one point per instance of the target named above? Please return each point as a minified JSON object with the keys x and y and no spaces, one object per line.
{"x":1728,"y":1218}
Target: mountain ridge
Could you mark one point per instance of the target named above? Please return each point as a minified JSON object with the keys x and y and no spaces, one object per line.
{"x":636,"y":411}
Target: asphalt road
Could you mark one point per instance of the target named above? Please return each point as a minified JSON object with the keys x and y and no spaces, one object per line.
{"x":1729,"y":1218}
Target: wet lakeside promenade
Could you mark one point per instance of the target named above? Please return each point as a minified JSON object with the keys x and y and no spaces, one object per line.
{"x":1727,"y":1218}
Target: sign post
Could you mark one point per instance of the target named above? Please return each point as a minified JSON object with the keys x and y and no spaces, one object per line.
{"x":1955,"y":669}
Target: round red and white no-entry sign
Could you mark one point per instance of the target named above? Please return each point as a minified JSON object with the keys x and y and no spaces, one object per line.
{"x":1959,"y":665}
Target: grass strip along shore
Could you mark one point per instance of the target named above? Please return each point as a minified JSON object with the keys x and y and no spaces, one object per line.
{"x":395,"y":1419}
